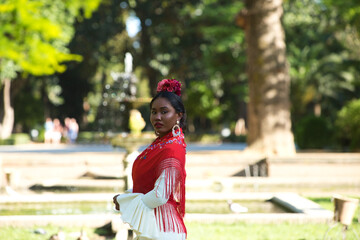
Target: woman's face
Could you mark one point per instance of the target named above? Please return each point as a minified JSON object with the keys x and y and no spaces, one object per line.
{"x":163,"y":116}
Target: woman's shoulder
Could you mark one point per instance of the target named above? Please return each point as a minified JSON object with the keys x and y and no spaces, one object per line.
{"x":172,"y":145}
{"x":175,"y":143}
{"x":169,"y":140}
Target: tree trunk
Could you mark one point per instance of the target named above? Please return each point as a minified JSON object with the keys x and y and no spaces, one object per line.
{"x":7,"y":124}
{"x":269,"y":82}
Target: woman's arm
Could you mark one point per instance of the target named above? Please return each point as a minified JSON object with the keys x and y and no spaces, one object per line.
{"x":160,"y":193}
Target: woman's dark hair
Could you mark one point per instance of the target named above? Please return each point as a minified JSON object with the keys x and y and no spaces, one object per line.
{"x":176,"y":102}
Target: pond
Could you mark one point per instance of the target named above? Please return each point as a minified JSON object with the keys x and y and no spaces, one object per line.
{"x":71,"y":208}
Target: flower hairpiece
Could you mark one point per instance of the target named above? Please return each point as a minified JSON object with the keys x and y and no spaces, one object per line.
{"x":169,"y":85}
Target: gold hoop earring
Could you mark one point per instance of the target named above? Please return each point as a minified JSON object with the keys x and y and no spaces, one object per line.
{"x":176,"y":127}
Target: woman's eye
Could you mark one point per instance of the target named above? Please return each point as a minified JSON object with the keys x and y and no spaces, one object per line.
{"x":164,"y":112}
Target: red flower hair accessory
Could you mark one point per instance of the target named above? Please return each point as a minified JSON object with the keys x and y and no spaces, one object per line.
{"x":169,"y":85}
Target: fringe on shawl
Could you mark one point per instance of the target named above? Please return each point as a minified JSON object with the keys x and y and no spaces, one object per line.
{"x":170,"y":215}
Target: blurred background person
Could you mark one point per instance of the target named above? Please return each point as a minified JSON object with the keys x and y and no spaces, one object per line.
{"x":66,"y":129}
{"x":49,"y":127}
{"x":73,"y":130}
{"x":57,"y":131}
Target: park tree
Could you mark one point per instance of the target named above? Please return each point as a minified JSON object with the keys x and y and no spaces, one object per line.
{"x":33,"y":40}
{"x":102,"y":41}
{"x":165,"y":38}
{"x":323,"y":52}
{"x":269,"y":119}
{"x":198,"y":43}
{"x":348,"y":10}
{"x":325,"y":65}
{"x":219,"y":87}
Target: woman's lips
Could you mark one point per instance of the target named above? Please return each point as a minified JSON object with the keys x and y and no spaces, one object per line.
{"x":158,"y":125}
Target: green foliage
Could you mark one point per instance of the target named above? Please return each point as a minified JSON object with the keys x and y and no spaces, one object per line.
{"x":198,"y":43}
{"x":223,"y":57}
{"x":34,"y":34}
{"x":8,"y":69}
{"x":102,"y":41}
{"x":83,"y":8}
{"x":349,"y":10}
{"x":323,"y":69}
{"x":347,"y":125}
{"x":348,"y":23}
{"x":206,"y":103}
{"x":30,"y":39}
{"x":234,"y":138}
{"x":195,"y":41}
{"x":28,"y":103}
{"x":203,"y":138}
{"x":16,"y":138}
{"x":92,"y":137}
{"x":41,"y":137}
{"x":313,"y":132}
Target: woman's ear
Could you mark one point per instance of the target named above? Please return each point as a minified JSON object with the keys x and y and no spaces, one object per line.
{"x":180,"y":115}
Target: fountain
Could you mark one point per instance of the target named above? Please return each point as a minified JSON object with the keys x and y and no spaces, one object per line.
{"x":132,"y":139}
{"x":118,"y":98}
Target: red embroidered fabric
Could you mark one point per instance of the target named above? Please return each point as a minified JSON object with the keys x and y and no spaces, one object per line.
{"x":166,"y":154}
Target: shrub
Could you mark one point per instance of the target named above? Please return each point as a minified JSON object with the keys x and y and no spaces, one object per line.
{"x":203,"y":138}
{"x":16,"y":138}
{"x":92,"y":137}
{"x":348,"y":125}
{"x":313,"y":132}
{"x":234,"y":138}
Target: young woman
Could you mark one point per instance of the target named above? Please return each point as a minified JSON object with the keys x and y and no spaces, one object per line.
{"x":155,"y":207}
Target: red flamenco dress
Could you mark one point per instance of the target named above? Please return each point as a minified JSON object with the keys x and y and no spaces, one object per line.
{"x":155,"y":207}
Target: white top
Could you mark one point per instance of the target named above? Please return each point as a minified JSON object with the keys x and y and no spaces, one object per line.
{"x":137,"y":210}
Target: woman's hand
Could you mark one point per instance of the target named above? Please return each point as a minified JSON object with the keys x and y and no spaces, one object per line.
{"x":117,"y":205}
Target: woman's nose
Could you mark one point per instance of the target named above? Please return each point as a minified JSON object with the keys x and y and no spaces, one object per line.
{"x":157,"y":116}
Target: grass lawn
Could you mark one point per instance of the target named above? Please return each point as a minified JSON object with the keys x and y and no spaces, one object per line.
{"x":199,"y":231}
{"x":27,"y":233}
{"x":243,"y":231}
{"x":206,"y":231}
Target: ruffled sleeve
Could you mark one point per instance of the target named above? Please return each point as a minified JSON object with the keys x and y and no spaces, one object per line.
{"x":137,"y":209}
{"x":140,"y":217}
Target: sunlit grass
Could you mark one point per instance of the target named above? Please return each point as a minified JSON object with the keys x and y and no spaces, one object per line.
{"x":29,"y":233}
{"x":197,"y":231}
{"x":243,"y":231}
{"x":280,"y":231}
{"x":205,"y":231}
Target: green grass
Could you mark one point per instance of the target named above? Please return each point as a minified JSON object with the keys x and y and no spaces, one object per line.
{"x":327,"y":203}
{"x":282,"y":231}
{"x":243,"y":231}
{"x":198,"y":231}
{"x":27,"y":233}
{"x":324,"y":202}
{"x":207,"y":231}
